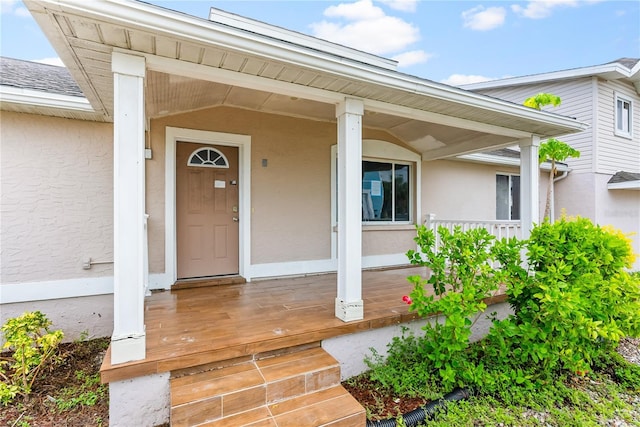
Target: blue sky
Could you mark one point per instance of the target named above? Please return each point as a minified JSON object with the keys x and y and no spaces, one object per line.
{"x":447,"y":41}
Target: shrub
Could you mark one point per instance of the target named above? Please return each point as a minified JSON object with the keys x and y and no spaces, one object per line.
{"x":576,"y":301}
{"x":33,"y":345}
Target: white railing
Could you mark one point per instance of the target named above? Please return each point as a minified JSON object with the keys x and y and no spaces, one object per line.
{"x":499,"y":228}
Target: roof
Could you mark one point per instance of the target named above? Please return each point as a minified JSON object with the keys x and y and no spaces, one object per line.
{"x":620,"y":69}
{"x":36,"y":88}
{"x":36,"y":76}
{"x":624,"y":181}
{"x":193,"y":63}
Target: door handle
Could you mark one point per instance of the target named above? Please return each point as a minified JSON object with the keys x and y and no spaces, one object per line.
{"x":235,"y":219}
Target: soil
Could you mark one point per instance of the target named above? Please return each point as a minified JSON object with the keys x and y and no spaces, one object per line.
{"x":382,"y":404}
{"x":41,"y":408}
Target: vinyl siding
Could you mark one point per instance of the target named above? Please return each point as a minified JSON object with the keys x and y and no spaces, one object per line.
{"x":577,"y":101}
{"x":616,"y":153}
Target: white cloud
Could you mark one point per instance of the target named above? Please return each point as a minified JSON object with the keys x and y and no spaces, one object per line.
{"x":465,"y":79}
{"x":13,"y":7}
{"x":413,"y":57}
{"x":50,"y":61}
{"x":357,"y":11}
{"x":538,"y":9}
{"x":367,"y":28}
{"x":483,"y":19}
{"x":401,"y":5}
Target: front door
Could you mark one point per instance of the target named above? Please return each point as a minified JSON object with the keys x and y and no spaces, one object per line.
{"x":207,"y":210}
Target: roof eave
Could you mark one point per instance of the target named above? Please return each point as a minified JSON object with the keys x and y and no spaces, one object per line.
{"x":628,"y":185}
{"x":182,"y":26}
{"x":612,"y":71}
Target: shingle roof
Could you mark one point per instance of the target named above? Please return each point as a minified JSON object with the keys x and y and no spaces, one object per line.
{"x":35,"y":76}
{"x":627,"y":62}
{"x":623,"y":176}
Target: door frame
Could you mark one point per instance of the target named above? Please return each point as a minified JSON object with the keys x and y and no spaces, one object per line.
{"x":243,"y":143}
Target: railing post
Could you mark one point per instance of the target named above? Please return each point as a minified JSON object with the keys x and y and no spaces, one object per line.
{"x":428,"y":222}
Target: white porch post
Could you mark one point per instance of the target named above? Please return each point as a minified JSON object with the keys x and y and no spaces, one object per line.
{"x":349,"y":304}
{"x":128,"y":340}
{"x":529,"y":185}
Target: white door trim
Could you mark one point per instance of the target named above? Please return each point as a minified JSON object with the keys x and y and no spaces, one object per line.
{"x":243,"y":142}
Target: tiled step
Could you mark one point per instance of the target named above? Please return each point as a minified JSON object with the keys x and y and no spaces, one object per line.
{"x":300,"y":388}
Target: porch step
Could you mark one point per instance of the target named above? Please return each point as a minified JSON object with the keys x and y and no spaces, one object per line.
{"x":295,"y":389}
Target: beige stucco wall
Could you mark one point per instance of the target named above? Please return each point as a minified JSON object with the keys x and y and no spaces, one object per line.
{"x":290,"y":197}
{"x":56,"y":197}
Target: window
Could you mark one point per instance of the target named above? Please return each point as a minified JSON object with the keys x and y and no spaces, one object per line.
{"x":208,"y":158}
{"x":507,"y":197}
{"x":623,"y":117}
{"x":386,"y":191}
{"x":391,"y":177}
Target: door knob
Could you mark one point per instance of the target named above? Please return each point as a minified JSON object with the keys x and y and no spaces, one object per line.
{"x":235,"y":219}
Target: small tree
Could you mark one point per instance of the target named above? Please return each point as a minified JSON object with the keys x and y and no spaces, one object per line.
{"x":552,"y":150}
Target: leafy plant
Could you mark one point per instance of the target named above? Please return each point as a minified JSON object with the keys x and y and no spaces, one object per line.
{"x":541,"y":100}
{"x":88,"y":393}
{"x":575,"y":302}
{"x":33,"y":345}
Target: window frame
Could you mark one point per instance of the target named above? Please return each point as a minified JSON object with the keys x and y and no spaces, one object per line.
{"x":629,"y":122}
{"x":381,"y":151}
{"x":412,"y":184}
{"x":511,"y":197}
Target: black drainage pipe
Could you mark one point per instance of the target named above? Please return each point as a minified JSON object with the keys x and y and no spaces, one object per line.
{"x":417,"y":416}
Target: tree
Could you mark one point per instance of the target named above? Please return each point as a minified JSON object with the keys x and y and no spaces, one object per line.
{"x":552,"y":150}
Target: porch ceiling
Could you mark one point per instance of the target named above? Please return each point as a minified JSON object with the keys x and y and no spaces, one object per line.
{"x":195,"y":63}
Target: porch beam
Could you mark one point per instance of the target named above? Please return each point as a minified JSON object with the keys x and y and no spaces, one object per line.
{"x":128,"y":341}
{"x":529,"y":184}
{"x":349,"y":305}
{"x":441,"y":119}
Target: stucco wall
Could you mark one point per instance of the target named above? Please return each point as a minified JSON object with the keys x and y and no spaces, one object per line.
{"x":459,"y":190}
{"x":56,"y":197}
{"x":290,"y":196}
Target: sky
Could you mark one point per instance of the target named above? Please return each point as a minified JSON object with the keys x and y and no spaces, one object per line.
{"x":453,"y":42}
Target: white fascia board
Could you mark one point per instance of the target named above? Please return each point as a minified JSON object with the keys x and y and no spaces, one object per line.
{"x":507,"y":161}
{"x":629,"y":185}
{"x":37,"y":98}
{"x":182,"y":26}
{"x":612,"y":71}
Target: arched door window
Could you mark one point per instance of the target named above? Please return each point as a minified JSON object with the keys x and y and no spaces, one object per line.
{"x":208,"y":158}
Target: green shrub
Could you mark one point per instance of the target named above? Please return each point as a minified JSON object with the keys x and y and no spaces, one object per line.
{"x":576,"y":301}
{"x":572,"y":297}
{"x":33,"y":345}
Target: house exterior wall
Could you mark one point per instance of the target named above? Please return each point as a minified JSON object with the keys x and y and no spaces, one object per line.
{"x":616,"y":153}
{"x":290,"y":196}
{"x":56,"y":195}
{"x":457,"y":190}
{"x":57,"y":198}
{"x":620,"y":209}
{"x":578,"y":99}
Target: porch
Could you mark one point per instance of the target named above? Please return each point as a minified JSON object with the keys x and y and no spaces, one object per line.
{"x":201,"y":325}
{"x":241,"y":353}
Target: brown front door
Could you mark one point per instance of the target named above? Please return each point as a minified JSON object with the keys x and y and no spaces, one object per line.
{"x":207,"y":210}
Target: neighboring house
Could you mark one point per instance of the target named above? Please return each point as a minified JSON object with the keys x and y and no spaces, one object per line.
{"x":227,"y":147}
{"x":604,"y":182}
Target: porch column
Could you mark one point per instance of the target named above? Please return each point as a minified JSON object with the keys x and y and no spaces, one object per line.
{"x":349,"y":304}
{"x":529,"y":185}
{"x":128,"y":340}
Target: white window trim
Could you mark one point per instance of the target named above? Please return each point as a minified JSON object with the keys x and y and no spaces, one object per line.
{"x":207,"y":165}
{"x":620,"y":132}
{"x":510,"y":175}
{"x":377,"y":150}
